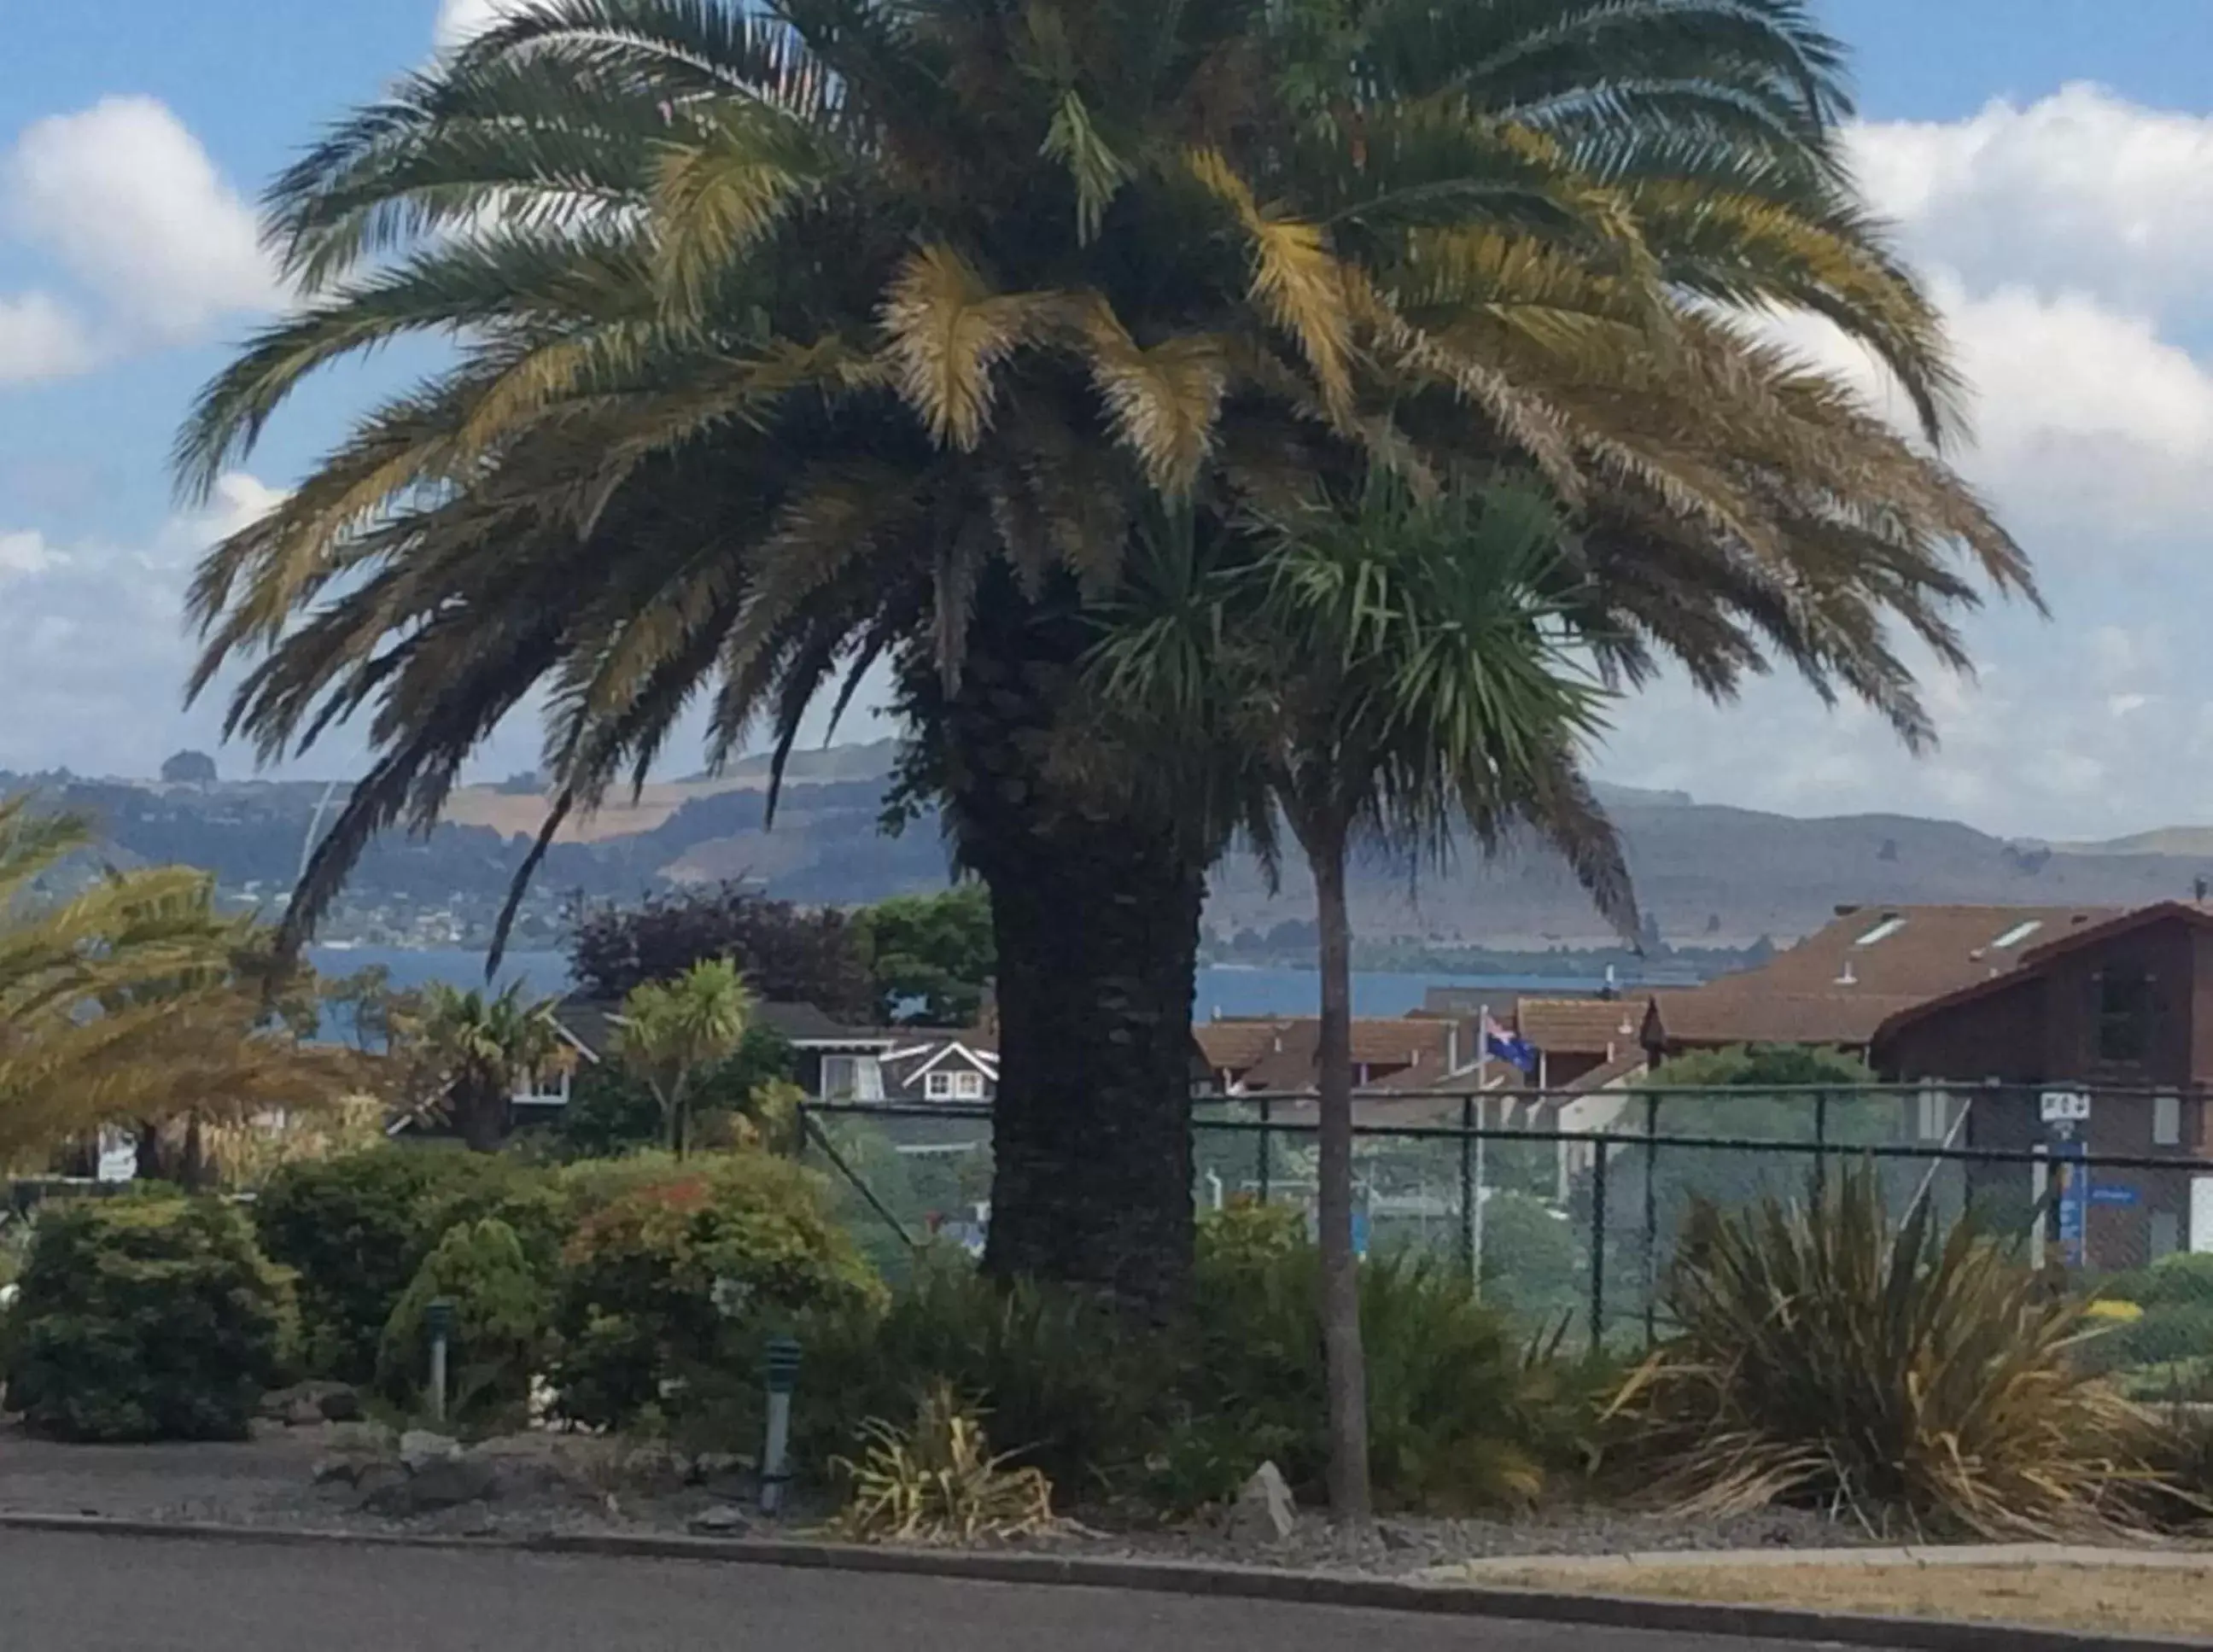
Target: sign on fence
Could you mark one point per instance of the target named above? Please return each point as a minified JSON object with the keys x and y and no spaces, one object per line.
{"x":2074,"y":1200}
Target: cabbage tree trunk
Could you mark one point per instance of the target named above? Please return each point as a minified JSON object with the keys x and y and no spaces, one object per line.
{"x":1346,"y":1358}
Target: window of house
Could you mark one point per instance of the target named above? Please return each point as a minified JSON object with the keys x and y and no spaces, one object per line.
{"x":2165,"y":1233}
{"x":2166,"y":1119}
{"x":2124,"y":1015}
{"x":853,"y":1078}
{"x":953,"y":1085}
{"x":1935,"y":1122}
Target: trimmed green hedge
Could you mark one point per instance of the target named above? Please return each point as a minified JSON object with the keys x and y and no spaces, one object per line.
{"x":151,"y":1318}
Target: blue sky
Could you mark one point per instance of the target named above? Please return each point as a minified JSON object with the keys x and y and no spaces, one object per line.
{"x":2049,"y":163}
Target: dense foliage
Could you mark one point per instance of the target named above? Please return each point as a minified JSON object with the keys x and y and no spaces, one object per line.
{"x":675,"y":1262}
{"x":931,"y":957}
{"x":787,"y":954}
{"x":611,"y":1111}
{"x":144,"y":1319}
{"x":356,"y":1229}
{"x":1462,"y":1418}
{"x":1828,"y":1356}
{"x":502,"y":1307}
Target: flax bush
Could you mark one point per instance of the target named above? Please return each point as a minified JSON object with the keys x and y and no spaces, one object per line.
{"x":1914,"y":1380}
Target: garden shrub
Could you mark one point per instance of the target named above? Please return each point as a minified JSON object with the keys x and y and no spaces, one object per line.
{"x":675,"y":1262}
{"x":1059,"y":1380}
{"x":1533,"y":1265}
{"x":1829,"y":1357}
{"x":502,"y":1307}
{"x":145,"y":1318}
{"x":1458,"y":1418}
{"x":356,"y":1229}
{"x":1180,"y":1417}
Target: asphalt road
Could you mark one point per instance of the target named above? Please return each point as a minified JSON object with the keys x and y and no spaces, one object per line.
{"x":124,"y":1594}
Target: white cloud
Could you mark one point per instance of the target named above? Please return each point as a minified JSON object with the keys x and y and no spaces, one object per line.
{"x":125,"y":197}
{"x":27,"y":554}
{"x":2079,"y":191}
{"x":41,"y":338}
{"x":462,"y":19}
{"x":2087,"y":422}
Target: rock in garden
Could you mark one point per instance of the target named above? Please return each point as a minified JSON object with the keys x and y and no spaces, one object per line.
{"x":727,"y":1520}
{"x":1263,"y":1513}
{"x":440,"y":1483}
{"x":306,"y":1404}
{"x":420,"y":1448}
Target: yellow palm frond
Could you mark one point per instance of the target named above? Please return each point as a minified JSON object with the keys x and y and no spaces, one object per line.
{"x":946,"y":332}
{"x":1163,"y":401}
{"x":1297,"y":281}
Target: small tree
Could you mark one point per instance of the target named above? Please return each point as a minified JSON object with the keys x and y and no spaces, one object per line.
{"x":1388,"y":673}
{"x":468,"y":1050}
{"x":674,"y":1033}
{"x":938,"y":949}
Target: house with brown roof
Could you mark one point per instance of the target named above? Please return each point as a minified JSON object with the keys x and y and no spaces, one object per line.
{"x":1576,"y":1036}
{"x":1274,"y":1055}
{"x":1839,"y":984}
{"x":2099,"y":1041}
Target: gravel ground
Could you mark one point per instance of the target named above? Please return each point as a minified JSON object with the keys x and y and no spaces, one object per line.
{"x":270,"y":1481}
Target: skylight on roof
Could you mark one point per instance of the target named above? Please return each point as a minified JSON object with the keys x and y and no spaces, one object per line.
{"x":2015,"y":936}
{"x":1881,"y":931}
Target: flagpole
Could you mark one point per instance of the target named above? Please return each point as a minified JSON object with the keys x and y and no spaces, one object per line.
{"x":1481,"y":1122}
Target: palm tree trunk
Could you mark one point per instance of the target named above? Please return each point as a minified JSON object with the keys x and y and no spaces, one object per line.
{"x":481,"y":1115}
{"x":1095,"y":912}
{"x":1348,"y":1498}
{"x":1097,"y":929}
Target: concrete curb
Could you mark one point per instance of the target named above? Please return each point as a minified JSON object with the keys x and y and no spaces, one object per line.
{"x":1178,"y":1578}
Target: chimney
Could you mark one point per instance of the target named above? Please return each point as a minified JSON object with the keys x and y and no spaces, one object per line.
{"x":1845,"y":909}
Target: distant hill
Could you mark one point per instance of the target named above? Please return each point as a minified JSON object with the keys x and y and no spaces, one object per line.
{"x":2191,"y":842}
{"x":1710,"y":876}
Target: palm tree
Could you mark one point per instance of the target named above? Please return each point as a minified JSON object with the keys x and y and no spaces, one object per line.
{"x":675,"y":1033}
{"x":1389,"y":674}
{"x":131,"y":1000}
{"x":798,"y":339}
{"x":471,"y":1049}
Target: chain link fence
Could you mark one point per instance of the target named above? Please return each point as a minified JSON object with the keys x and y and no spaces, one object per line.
{"x":1565,"y":1208}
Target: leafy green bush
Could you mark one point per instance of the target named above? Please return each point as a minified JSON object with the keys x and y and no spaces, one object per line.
{"x":1533,"y":1267}
{"x":1066,"y":1386}
{"x":1458,"y":1418}
{"x":677,"y":1260}
{"x":146,"y":1318}
{"x":1831,"y":1358}
{"x":1180,"y":1416}
{"x":501,"y":1311}
{"x":354,"y":1230}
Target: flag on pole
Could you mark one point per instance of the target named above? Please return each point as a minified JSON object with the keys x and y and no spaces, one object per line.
{"x":1509,"y":1047}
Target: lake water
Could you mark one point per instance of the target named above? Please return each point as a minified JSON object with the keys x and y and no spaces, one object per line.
{"x":1226,"y":989}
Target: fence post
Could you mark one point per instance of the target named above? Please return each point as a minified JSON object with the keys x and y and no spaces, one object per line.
{"x":1598,"y":1248}
{"x":1267,"y":1153}
{"x":1651,"y":1218}
{"x":1467,"y":1215}
{"x":1821,"y":1146}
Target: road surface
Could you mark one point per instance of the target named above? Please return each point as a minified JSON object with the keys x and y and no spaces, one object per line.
{"x":126,"y":1594}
